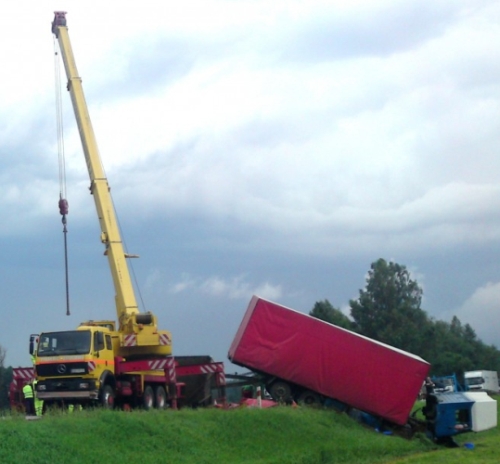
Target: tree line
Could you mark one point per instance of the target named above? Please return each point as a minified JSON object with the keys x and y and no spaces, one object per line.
{"x":5,"y":379}
{"x":389,"y":310}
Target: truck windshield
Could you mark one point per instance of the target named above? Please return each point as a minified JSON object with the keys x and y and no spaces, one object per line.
{"x":474,"y":381}
{"x":63,"y":343}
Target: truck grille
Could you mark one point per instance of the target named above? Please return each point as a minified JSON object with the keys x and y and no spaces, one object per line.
{"x":62,"y":369}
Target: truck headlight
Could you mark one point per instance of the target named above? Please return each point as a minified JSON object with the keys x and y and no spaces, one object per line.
{"x":41,"y":387}
{"x":83,"y":386}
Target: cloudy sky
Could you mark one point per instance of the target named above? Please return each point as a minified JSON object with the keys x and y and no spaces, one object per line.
{"x":253,"y":147}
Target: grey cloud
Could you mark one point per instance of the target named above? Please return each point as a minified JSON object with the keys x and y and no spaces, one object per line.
{"x":378,"y":30}
{"x":142,"y":68}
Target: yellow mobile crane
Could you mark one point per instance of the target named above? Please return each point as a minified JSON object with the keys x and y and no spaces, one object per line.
{"x":97,"y":362}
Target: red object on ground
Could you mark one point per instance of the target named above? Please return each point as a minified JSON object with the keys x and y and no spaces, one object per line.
{"x":254,"y":403}
{"x":326,"y":359}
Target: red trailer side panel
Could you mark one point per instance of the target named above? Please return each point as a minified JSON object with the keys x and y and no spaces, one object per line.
{"x":327,"y":359}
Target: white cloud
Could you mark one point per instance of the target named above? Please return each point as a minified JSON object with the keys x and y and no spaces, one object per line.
{"x":232,"y":288}
{"x":365,"y":147}
{"x":482,"y":312}
{"x":349,"y":144}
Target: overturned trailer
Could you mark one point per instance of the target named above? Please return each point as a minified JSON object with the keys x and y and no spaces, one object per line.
{"x":304,"y":359}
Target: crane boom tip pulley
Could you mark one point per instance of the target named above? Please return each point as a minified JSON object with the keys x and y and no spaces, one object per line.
{"x":59,"y":20}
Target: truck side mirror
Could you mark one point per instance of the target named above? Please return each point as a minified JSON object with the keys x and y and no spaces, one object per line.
{"x":33,"y":344}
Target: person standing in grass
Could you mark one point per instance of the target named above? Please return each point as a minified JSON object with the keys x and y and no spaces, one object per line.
{"x":29,"y":399}
{"x":38,"y":404}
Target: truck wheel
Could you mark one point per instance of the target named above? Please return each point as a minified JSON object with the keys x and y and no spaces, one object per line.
{"x":281,"y":392}
{"x":160,"y":397}
{"x":148,"y":398}
{"x":309,"y":398}
{"x":107,"y":397}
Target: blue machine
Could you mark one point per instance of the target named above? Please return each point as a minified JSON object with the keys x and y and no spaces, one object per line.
{"x":447,"y":414}
{"x":447,"y":383}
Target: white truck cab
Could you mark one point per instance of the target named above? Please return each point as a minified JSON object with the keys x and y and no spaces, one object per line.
{"x":481,"y":381}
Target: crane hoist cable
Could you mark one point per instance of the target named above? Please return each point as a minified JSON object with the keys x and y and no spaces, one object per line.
{"x":63,"y":202}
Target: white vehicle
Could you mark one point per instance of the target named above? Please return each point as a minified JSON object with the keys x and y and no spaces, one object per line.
{"x":481,"y":381}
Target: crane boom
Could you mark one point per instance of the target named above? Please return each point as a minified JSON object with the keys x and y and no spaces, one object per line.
{"x":131,"y":321}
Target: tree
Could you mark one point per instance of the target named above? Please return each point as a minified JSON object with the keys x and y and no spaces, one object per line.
{"x":5,"y":379}
{"x":326,"y":312}
{"x":469,"y":333}
{"x":388,"y":309}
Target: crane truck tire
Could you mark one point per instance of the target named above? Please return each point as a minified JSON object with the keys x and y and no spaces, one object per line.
{"x":160,"y":397}
{"x":148,"y":398}
{"x":107,"y":397}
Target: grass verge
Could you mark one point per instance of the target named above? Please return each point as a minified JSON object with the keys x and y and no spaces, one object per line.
{"x":279,"y":435}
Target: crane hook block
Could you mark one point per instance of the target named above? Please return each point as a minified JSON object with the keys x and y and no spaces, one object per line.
{"x":63,"y":206}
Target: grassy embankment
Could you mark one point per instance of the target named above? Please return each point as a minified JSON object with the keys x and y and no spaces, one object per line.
{"x":277,"y":435}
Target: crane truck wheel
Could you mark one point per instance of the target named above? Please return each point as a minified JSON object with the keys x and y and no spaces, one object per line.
{"x":281,"y":392}
{"x":107,"y":397}
{"x":148,"y":398}
{"x":309,"y":398}
{"x":160,"y":397}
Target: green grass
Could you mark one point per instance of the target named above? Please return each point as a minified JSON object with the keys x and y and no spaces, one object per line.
{"x":268,"y":436}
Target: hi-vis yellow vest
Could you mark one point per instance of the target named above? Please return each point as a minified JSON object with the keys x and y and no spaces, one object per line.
{"x":28,"y":391}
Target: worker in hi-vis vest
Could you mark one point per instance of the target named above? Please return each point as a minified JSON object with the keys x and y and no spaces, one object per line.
{"x":37,"y":402}
{"x":29,"y":399}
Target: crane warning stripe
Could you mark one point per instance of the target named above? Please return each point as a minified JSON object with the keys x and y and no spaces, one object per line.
{"x":24,"y":373}
{"x":20,"y":375}
{"x":172,"y":378}
{"x":91,"y":365}
{"x":130,"y":340}
{"x":165,"y":339}
{"x":208,"y":368}
{"x":222,"y":378}
{"x":158,"y":364}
